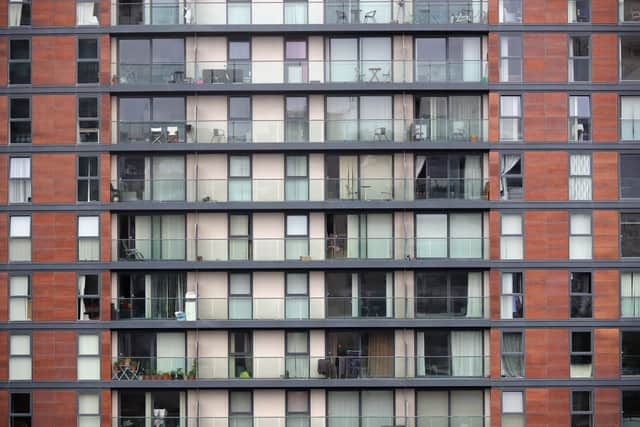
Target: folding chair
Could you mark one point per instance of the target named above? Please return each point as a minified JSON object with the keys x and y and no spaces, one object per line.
{"x":156,"y":135}
{"x":371,"y":15}
{"x":172,"y":134}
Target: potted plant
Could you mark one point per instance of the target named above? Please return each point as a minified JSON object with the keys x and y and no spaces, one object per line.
{"x":474,"y":138}
{"x":194,"y":369}
{"x":173,"y":375}
{"x":180,"y":374}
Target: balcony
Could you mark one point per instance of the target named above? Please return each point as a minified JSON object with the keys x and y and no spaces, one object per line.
{"x":209,"y":12}
{"x":243,"y":367}
{"x":297,"y":189}
{"x":301,"y":131}
{"x":300,"y":420}
{"x":299,"y":308}
{"x":296,"y":72}
{"x":297,"y":249}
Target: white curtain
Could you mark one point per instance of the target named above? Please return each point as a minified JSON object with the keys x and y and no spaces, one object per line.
{"x":580,"y":172}
{"x":88,"y":357}
{"x":511,"y":240}
{"x":348,"y":177}
{"x":466,"y":235}
{"x":88,"y":238}
{"x":240,"y":301}
{"x":20,"y":180}
{"x":431,"y":236}
{"x":474,"y":294}
{"x":377,"y":408}
{"x":472,"y":177}
{"x":376,"y":112}
{"x":88,"y":409}
{"x":342,"y":408}
{"x":630,"y":292}
{"x":20,"y":367}
{"x":433,"y":409}
{"x":376,"y":181}
{"x":81,"y":284}
{"x":509,"y":161}
{"x":466,"y":353}
{"x":580,"y":240}
{"x":297,"y":299}
{"x":630,"y":114}
{"x":420,"y":365}
{"x":295,"y":12}
{"x":379,"y":235}
{"x":512,"y":361}
{"x":19,"y":304}
{"x":170,"y":351}
{"x":168,"y":178}
{"x":507,"y":300}
{"x":343,"y":54}
{"x":353,"y":236}
{"x":173,"y":243}
{"x":15,"y":12}
{"x":472,"y":65}
{"x":85,"y":14}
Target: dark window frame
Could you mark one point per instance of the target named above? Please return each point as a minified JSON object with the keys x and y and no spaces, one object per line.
{"x":19,"y":61}
{"x":20,"y":120}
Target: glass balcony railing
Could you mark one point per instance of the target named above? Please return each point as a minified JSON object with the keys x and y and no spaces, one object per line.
{"x":299,"y":130}
{"x":210,"y":12}
{"x":298,"y":248}
{"x":127,"y":368}
{"x":297,"y":189}
{"x":298,"y":307}
{"x":301,"y":71}
{"x":301,"y":420}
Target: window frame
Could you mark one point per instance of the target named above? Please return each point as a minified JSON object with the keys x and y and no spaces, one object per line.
{"x":296,"y":178}
{"x":521,"y":235}
{"x":589,"y":413}
{"x":80,"y":119}
{"x":29,"y":179}
{"x":577,"y":21}
{"x":239,"y":178}
{"x":296,"y":237}
{"x":89,"y":179}
{"x":520,"y":353}
{"x":575,"y":176}
{"x":240,"y":297}
{"x":12,"y":414}
{"x":503,"y":57}
{"x":519,"y":118}
{"x":28,"y":297}
{"x":81,"y":356}
{"x":79,"y":238}
{"x":501,"y":13}
{"x":622,"y":223}
{"x":29,"y":356}
{"x":20,"y":119}
{"x":577,"y":119}
{"x":80,"y":415}
{"x":96,"y":296}
{"x":241,"y":414}
{"x":573,"y":294}
{"x":571,"y":58}
{"x":21,"y":238}
{"x":96,"y":5}
{"x":524,"y":405}
{"x":634,"y":312}
{"x":11,"y":61}
{"x":297,"y":414}
{"x":577,"y":235}
{"x":504,"y":195}
{"x":573,"y":353}
{"x":513,"y":294}
{"x":22,"y":3}
{"x":80,"y":60}
{"x":234,"y":356}
{"x":448,"y":237}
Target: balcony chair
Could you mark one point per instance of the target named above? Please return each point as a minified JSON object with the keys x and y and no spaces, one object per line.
{"x":217,"y":135}
{"x":371,"y":15}
{"x":172,"y":134}
{"x":341,"y":17}
{"x":156,"y":135}
{"x":380,"y":134}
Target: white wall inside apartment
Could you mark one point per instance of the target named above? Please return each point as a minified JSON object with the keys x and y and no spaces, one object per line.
{"x":268,"y":118}
{"x":316,"y":118}
{"x":316,"y":294}
{"x":268,"y":234}
{"x":211,"y":290}
{"x":211,"y":231}
{"x":267,"y":12}
{"x":268,"y":293}
{"x":269,"y":403}
{"x":316,"y":176}
{"x":207,"y":177}
{"x":268,"y":353}
{"x":267,"y":56}
{"x":268,"y":177}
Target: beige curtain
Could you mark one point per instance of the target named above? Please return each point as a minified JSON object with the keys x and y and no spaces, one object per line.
{"x":380,"y":355}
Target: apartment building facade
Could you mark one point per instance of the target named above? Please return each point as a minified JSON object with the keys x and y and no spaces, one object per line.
{"x":320,"y":213}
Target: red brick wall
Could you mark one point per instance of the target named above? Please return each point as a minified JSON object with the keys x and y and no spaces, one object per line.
{"x":606,"y":294}
{"x":54,"y":178}
{"x":105,"y":355}
{"x":605,"y":234}
{"x":54,"y":355}
{"x":546,"y":353}
{"x":4,"y":407}
{"x":607,"y":407}
{"x":105,"y":177}
{"x":605,"y":175}
{"x":546,"y":294}
{"x":53,"y":13}
{"x":548,"y":407}
{"x":53,"y":59}
{"x":53,"y":119}
{"x":546,"y":175}
{"x":493,"y":16}
{"x":544,"y":12}
{"x":105,"y":117}
{"x":4,"y":54}
{"x":53,"y":237}
{"x":546,"y":235}
{"x":545,"y":56}
{"x":54,"y":296}
{"x":494,"y":235}
{"x":494,"y":294}
{"x":494,"y":175}
{"x":494,"y":117}
{"x":105,"y":295}
{"x":494,"y":368}
{"x":604,"y":11}
{"x":4,"y":135}
{"x":54,"y":408}
{"x":105,"y":60}
{"x":105,"y":236}
{"x":606,"y":353}
{"x":496,"y":405}
{"x":4,"y":171}
{"x":545,"y":117}
{"x":105,"y":12}
{"x":105,"y":407}
{"x":493,"y":57}
{"x":604,"y":108}
{"x":604,"y":57}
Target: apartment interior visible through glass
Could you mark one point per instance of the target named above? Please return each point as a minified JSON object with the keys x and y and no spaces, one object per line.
{"x":440,"y":118}
{"x":361,"y":354}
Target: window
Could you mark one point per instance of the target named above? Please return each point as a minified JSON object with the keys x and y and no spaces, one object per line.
{"x":438,"y":407}
{"x":240,"y":354}
{"x":630,"y":353}
{"x":20,"y":410}
{"x":89,"y":356}
{"x":20,"y":121}
{"x":88,"y":61}
{"x":449,"y":353}
{"x":581,"y":294}
{"x":160,"y":60}
{"x":88,"y":238}
{"x":439,"y":294}
{"x":630,"y":294}
{"x":510,"y":11}
{"x":580,"y":236}
{"x":297,"y":355}
{"x":20,"y":180}
{"x":630,"y":117}
{"x":581,"y":354}
{"x":439,"y":59}
{"x":88,"y":120}
{"x":360,"y":405}
{"x":363,"y":118}
{"x":87,"y":12}
{"x":510,"y":118}
{"x":630,"y":236}
{"x":240,"y":300}
{"x":19,"y":13}
{"x":297,"y":236}
{"x":155,"y":120}
{"x":579,"y":58}
{"x":240,"y":408}
{"x":19,"y":298}
{"x":580,"y":177}
{"x":88,"y":409}
{"x":581,"y":409}
{"x":370,"y":176}
{"x":579,"y":11}
{"x":20,"y":238}
{"x":296,"y":178}
{"x":345,"y":56}
{"x":19,"y":61}
{"x":440,"y":118}
{"x":512,"y":409}
{"x":239,"y":119}
{"x":629,"y":57}
{"x":239,"y":12}
{"x":454,"y":235}
{"x":512,"y":296}
{"x":297,"y":296}
{"x":364,"y":294}
{"x":579,"y":118}
{"x":295,"y":58}
{"x":239,"y":178}
{"x":88,"y":297}
{"x":239,"y":230}
{"x":511,"y":177}
{"x":630,"y":407}
{"x":629,"y":176}
{"x":510,"y":58}
{"x":295,"y":12}
{"x":512,"y":354}
{"x":239,"y":63}
{"x":296,"y":119}
{"x":19,"y":357}
{"x":511,"y":237}
{"x":297,"y":408}
{"x":88,"y":179}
